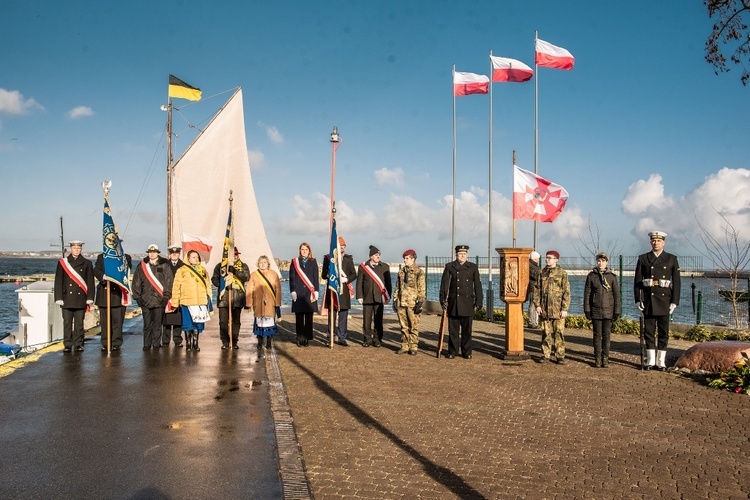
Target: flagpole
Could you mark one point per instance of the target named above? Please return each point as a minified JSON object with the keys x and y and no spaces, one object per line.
{"x":512,"y":214}
{"x":490,"y":297}
{"x":230,"y":277}
{"x":105,"y":186}
{"x":169,"y":171}
{"x":453,"y":200}
{"x":335,"y":144}
{"x":536,"y":128}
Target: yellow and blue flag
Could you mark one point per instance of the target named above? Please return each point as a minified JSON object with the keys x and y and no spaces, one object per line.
{"x":228,"y":250}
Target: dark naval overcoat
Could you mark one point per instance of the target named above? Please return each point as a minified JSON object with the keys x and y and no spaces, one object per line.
{"x":656,"y":298}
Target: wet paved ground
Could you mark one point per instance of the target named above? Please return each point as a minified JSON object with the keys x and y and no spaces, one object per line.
{"x":157,"y":424}
{"x":369,"y":423}
{"x":373,"y":424}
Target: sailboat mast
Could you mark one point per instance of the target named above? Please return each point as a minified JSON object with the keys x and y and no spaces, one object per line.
{"x":169,"y":172}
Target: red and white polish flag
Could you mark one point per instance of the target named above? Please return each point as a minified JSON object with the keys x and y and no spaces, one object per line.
{"x":551,"y":56}
{"x":510,"y":70}
{"x":198,"y":243}
{"x":536,"y":198}
{"x":470,"y":83}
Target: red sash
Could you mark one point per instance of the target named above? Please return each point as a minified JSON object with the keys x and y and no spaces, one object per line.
{"x":303,"y":276}
{"x":73,"y":274}
{"x":152,"y":278}
{"x":367,"y":269}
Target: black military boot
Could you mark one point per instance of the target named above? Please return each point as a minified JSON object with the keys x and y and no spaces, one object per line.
{"x":188,"y":341}
{"x":268,"y":342}
{"x":597,"y":361}
{"x":605,"y":361}
{"x":195,"y":341}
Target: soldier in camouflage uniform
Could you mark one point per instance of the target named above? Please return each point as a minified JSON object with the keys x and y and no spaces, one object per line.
{"x":552,"y":300}
{"x":407,"y":302}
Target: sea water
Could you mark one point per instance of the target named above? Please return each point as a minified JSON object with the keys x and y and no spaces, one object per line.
{"x":715,"y":310}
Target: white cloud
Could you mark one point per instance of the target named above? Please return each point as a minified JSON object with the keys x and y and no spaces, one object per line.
{"x":80,"y":112}
{"x":256,"y":158}
{"x":272,"y":133}
{"x":724,"y":192}
{"x":390,"y":177}
{"x":13,"y":103}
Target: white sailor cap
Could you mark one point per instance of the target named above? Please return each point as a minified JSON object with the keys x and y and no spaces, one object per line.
{"x":75,"y":243}
{"x":153,"y":248}
{"x":657,"y":235}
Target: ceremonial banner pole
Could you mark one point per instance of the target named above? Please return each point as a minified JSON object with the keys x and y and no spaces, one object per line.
{"x":230,"y":276}
{"x":105,"y":186}
{"x":335,"y":144}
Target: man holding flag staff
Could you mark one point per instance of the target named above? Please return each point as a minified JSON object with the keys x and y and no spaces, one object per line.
{"x":112,"y":308}
{"x":230,"y":280}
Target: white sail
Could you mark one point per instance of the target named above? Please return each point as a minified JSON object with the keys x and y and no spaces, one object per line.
{"x":215,"y":163}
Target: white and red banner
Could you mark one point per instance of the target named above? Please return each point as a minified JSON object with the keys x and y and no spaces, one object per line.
{"x":505,"y":69}
{"x":198,"y":243}
{"x":551,"y":56}
{"x":470,"y":83}
{"x":536,"y":198}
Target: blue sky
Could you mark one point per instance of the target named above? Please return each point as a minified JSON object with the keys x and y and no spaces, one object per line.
{"x":641,"y":132}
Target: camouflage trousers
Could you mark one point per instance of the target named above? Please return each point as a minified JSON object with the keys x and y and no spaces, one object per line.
{"x":409,"y":328}
{"x":553,"y":334}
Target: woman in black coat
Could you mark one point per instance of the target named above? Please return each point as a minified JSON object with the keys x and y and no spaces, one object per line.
{"x":601,"y":304}
{"x":303,"y":285}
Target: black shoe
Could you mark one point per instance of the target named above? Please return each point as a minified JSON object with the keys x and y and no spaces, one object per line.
{"x":146,"y":347}
{"x":116,"y":348}
{"x":468,"y":356}
{"x":413,"y":353}
{"x":402,"y":351}
{"x":104,"y":349}
{"x":224,"y":346}
{"x":235,"y":346}
{"x":365,"y":344}
{"x":78,"y":348}
{"x":177,"y":346}
{"x":542,"y":360}
{"x":560,"y":361}
{"x":376,"y":344}
{"x":342,"y":343}
{"x":450,"y":356}
{"x":67,"y":349}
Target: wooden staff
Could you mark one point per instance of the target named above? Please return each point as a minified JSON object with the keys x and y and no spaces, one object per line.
{"x":441,"y":332}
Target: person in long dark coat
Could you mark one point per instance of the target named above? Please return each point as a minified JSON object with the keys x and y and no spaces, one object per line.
{"x":173,"y":319}
{"x":74,"y":293}
{"x":348,"y":275}
{"x":460,"y":296}
{"x":601,"y":304}
{"x":303,"y":284}
{"x":116,"y":305}
{"x":533,"y":275}
{"x":374,"y":290}
{"x":657,"y":293}
{"x":152,"y":289}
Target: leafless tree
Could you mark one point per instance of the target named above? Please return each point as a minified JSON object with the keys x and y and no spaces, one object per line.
{"x":592,"y":243}
{"x":731,"y":256}
{"x":729,"y":33}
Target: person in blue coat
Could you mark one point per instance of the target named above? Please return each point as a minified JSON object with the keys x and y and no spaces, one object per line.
{"x":303,"y":286}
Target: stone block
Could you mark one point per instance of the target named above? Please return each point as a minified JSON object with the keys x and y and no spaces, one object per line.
{"x":713,"y":357}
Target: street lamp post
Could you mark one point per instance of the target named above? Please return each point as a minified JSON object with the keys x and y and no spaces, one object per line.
{"x":335,"y":143}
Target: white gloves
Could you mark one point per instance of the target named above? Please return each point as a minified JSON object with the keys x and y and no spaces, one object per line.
{"x":640,"y":306}
{"x":89,"y":302}
{"x":294,"y":296}
{"x":564,"y":314}
{"x":672,"y":307}
{"x":59,"y":302}
{"x":360,"y":301}
{"x":314,"y":297}
{"x":344,"y":279}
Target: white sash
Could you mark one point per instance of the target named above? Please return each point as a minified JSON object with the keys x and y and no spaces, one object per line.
{"x":367,"y":269}
{"x":152,"y":278}
{"x":303,"y":276}
{"x":73,"y":274}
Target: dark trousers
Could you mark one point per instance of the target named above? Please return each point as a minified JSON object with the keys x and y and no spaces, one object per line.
{"x":652,"y":324}
{"x":73,"y":327}
{"x":462,"y":323}
{"x":602,"y":333}
{"x":171,"y":332}
{"x":117,"y":317}
{"x":224,"y":324}
{"x":372,"y":312}
{"x":304,"y":325}
{"x":152,"y":319}
{"x":343,"y":319}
